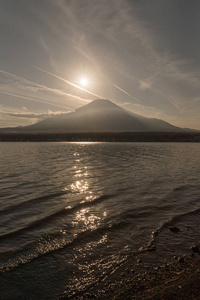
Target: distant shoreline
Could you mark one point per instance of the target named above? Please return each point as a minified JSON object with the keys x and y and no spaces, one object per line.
{"x":192,"y":137}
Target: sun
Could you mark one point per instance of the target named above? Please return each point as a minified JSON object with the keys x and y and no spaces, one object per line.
{"x":84,"y":81}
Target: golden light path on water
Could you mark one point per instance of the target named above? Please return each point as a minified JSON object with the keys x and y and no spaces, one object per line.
{"x":86,"y":218}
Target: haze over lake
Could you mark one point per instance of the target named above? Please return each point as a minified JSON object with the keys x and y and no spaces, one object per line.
{"x":73,"y":213}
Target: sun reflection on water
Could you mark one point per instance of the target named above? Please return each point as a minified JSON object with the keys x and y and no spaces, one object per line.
{"x":80,"y":186}
{"x":85,"y":217}
{"x":93,"y":244}
{"x":89,"y":220}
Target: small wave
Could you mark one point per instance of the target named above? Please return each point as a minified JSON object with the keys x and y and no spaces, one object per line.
{"x":143,"y":211}
{"x":184,"y":187}
{"x":57,"y":214}
{"x":34,"y":201}
{"x":56,"y":242}
{"x":189,"y":213}
{"x":137,"y":212}
{"x":174,"y":220}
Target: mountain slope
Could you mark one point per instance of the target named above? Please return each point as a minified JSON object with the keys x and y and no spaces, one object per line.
{"x":100,"y":116}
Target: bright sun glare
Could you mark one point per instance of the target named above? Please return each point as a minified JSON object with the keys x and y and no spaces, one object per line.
{"x":84,"y":81}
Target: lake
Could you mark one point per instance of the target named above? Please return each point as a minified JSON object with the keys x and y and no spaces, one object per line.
{"x":73,"y":214}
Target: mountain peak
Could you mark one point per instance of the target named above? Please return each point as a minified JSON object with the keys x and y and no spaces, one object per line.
{"x":98,"y":104}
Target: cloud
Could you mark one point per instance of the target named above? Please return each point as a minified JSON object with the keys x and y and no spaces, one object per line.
{"x":24,"y":87}
{"x":117,"y":41}
{"x":134,"y":48}
{"x":69,"y":82}
{"x":125,"y":92}
{"x":31,"y":115}
{"x":46,"y":48}
{"x":30,"y":99}
{"x":15,"y":118}
{"x":144,"y":85}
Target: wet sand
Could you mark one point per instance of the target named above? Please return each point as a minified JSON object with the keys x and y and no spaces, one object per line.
{"x":177,"y":280}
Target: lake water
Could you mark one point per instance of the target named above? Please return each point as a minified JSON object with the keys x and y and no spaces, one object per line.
{"x":71,"y":214}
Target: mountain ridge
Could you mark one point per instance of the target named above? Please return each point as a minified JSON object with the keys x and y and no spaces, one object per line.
{"x":100,"y":115}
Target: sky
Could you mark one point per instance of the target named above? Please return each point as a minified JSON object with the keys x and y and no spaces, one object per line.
{"x":58,"y":55}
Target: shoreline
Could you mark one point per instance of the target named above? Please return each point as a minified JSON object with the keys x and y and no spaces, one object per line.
{"x":176,"y":280}
{"x":181,"y":137}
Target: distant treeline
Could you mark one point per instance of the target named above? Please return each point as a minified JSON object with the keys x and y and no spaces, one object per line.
{"x":102,"y":137}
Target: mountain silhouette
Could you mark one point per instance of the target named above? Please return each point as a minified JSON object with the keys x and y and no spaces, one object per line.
{"x":100,"y":115}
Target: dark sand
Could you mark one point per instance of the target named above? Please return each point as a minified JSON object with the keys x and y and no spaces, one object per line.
{"x":177,"y":280}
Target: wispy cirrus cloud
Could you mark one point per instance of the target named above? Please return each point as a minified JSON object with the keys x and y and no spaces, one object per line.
{"x":69,"y":82}
{"x":128,"y":46}
{"x":139,"y":51}
{"x":28,"y":84}
{"x":117,"y":38}
{"x":24,"y":89}
{"x":30,"y":99}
